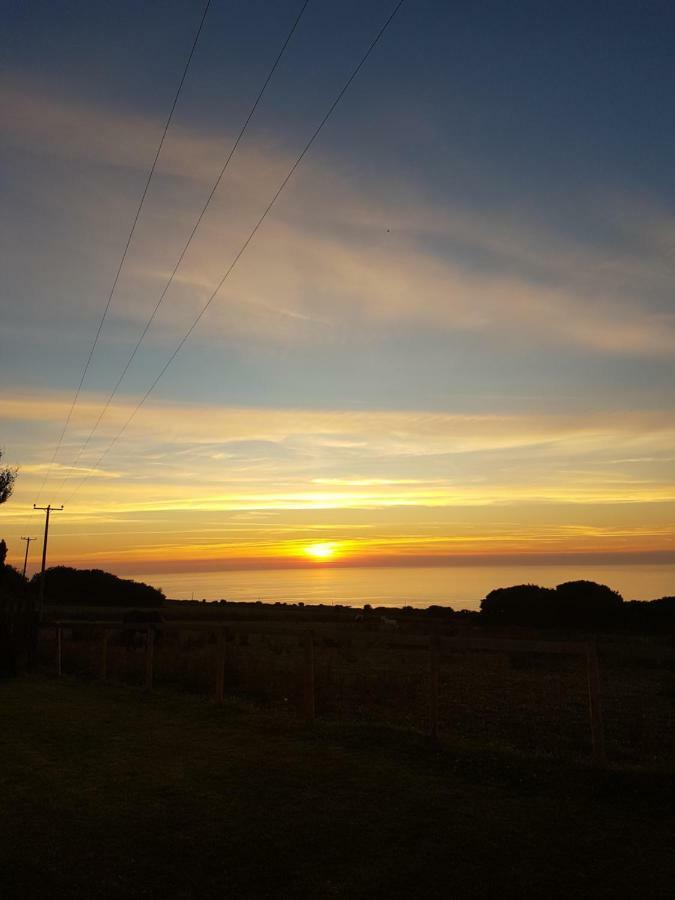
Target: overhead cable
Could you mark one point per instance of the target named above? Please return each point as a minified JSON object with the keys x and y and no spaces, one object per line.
{"x":248,"y":240}
{"x":125,"y":251}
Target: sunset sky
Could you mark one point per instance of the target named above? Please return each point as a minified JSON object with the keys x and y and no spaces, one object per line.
{"x":451,"y":341}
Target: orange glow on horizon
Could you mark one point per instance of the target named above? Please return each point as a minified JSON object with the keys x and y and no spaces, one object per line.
{"x":321,"y":552}
{"x":572,"y":487}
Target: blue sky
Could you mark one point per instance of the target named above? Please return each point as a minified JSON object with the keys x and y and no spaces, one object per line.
{"x":483,"y":232}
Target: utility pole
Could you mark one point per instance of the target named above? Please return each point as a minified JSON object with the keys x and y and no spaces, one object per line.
{"x":25,"y":559}
{"x":48,"y":510}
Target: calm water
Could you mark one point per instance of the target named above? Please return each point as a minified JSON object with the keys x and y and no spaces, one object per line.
{"x":461,"y":587}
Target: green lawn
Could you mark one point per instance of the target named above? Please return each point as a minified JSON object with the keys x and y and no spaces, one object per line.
{"x":107,"y":792}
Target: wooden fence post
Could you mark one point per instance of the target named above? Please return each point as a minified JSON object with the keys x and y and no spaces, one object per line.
{"x":59,"y":650}
{"x":220,"y":666}
{"x":434,"y":669}
{"x":104,"y":654}
{"x":309,"y":695}
{"x":595,"y":704}
{"x":149,"y":657}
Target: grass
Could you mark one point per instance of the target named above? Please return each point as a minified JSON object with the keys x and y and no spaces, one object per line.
{"x":109,"y":792}
{"x":523,"y":701}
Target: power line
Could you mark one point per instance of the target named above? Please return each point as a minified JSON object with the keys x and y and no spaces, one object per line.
{"x":189,"y":240}
{"x":126,"y":249}
{"x":248,"y":240}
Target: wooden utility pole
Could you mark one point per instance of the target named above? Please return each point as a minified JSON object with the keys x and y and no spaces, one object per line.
{"x":221,"y":650}
{"x":434,"y":671}
{"x":149,"y":656}
{"x":25,"y":559}
{"x":309,"y":686}
{"x":595,"y":704}
{"x":48,"y":510}
{"x":104,"y":654}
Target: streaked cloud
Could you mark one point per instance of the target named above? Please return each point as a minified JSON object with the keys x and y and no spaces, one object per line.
{"x":250,"y":487}
{"x":338,"y":259}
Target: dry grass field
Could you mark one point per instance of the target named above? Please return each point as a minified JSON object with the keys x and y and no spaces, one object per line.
{"x":528,"y":702}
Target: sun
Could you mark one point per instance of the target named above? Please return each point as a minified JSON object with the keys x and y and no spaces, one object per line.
{"x":321,"y":552}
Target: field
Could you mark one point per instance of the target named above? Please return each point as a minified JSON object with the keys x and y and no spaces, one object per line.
{"x":523,"y":701}
{"x":107,"y":791}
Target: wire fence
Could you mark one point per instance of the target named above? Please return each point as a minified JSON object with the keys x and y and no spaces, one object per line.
{"x":564,"y":698}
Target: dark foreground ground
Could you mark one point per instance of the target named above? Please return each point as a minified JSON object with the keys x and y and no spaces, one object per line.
{"x":107,"y":792}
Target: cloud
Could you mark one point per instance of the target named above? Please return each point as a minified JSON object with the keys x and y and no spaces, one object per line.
{"x":414,"y":432}
{"x":57,"y":468}
{"x":189,"y":459}
{"x":76,"y":129}
{"x":402,"y":285}
{"x":343,"y":258}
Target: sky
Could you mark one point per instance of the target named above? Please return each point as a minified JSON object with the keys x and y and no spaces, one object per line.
{"x":450,"y":342}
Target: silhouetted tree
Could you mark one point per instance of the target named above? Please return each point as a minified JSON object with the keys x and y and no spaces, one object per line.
{"x":7,"y":479}
{"x":18,"y":630}
{"x":439,"y":612}
{"x":662,"y":613}
{"x":587,"y":604}
{"x":12,"y":582}
{"x":574,"y":604}
{"x":650,"y":615}
{"x":520,"y":604}
{"x":93,"y":587}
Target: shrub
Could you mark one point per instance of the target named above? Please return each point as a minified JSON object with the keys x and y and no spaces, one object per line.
{"x":587,"y":604}
{"x":574,"y":604}
{"x":520,"y":604}
{"x":654,"y":615}
{"x":93,"y":587}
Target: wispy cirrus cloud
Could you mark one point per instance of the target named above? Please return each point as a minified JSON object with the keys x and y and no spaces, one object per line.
{"x":340,"y":258}
{"x":413,"y":430}
{"x":210,"y":458}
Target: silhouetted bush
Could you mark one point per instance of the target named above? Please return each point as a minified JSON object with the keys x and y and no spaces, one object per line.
{"x":17,"y":626}
{"x":12,"y":583}
{"x":439,"y":612}
{"x":650,"y":615}
{"x":574,"y":604}
{"x":521,"y":604}
{"x":93,"y":587}
{"x":663,"y":611}
{"x":587,"y":604}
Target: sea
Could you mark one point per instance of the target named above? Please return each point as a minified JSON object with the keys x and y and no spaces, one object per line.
{"x":461,"y":587}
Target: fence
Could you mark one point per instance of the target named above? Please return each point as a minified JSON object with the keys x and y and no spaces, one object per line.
{"x":435,"y":647}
